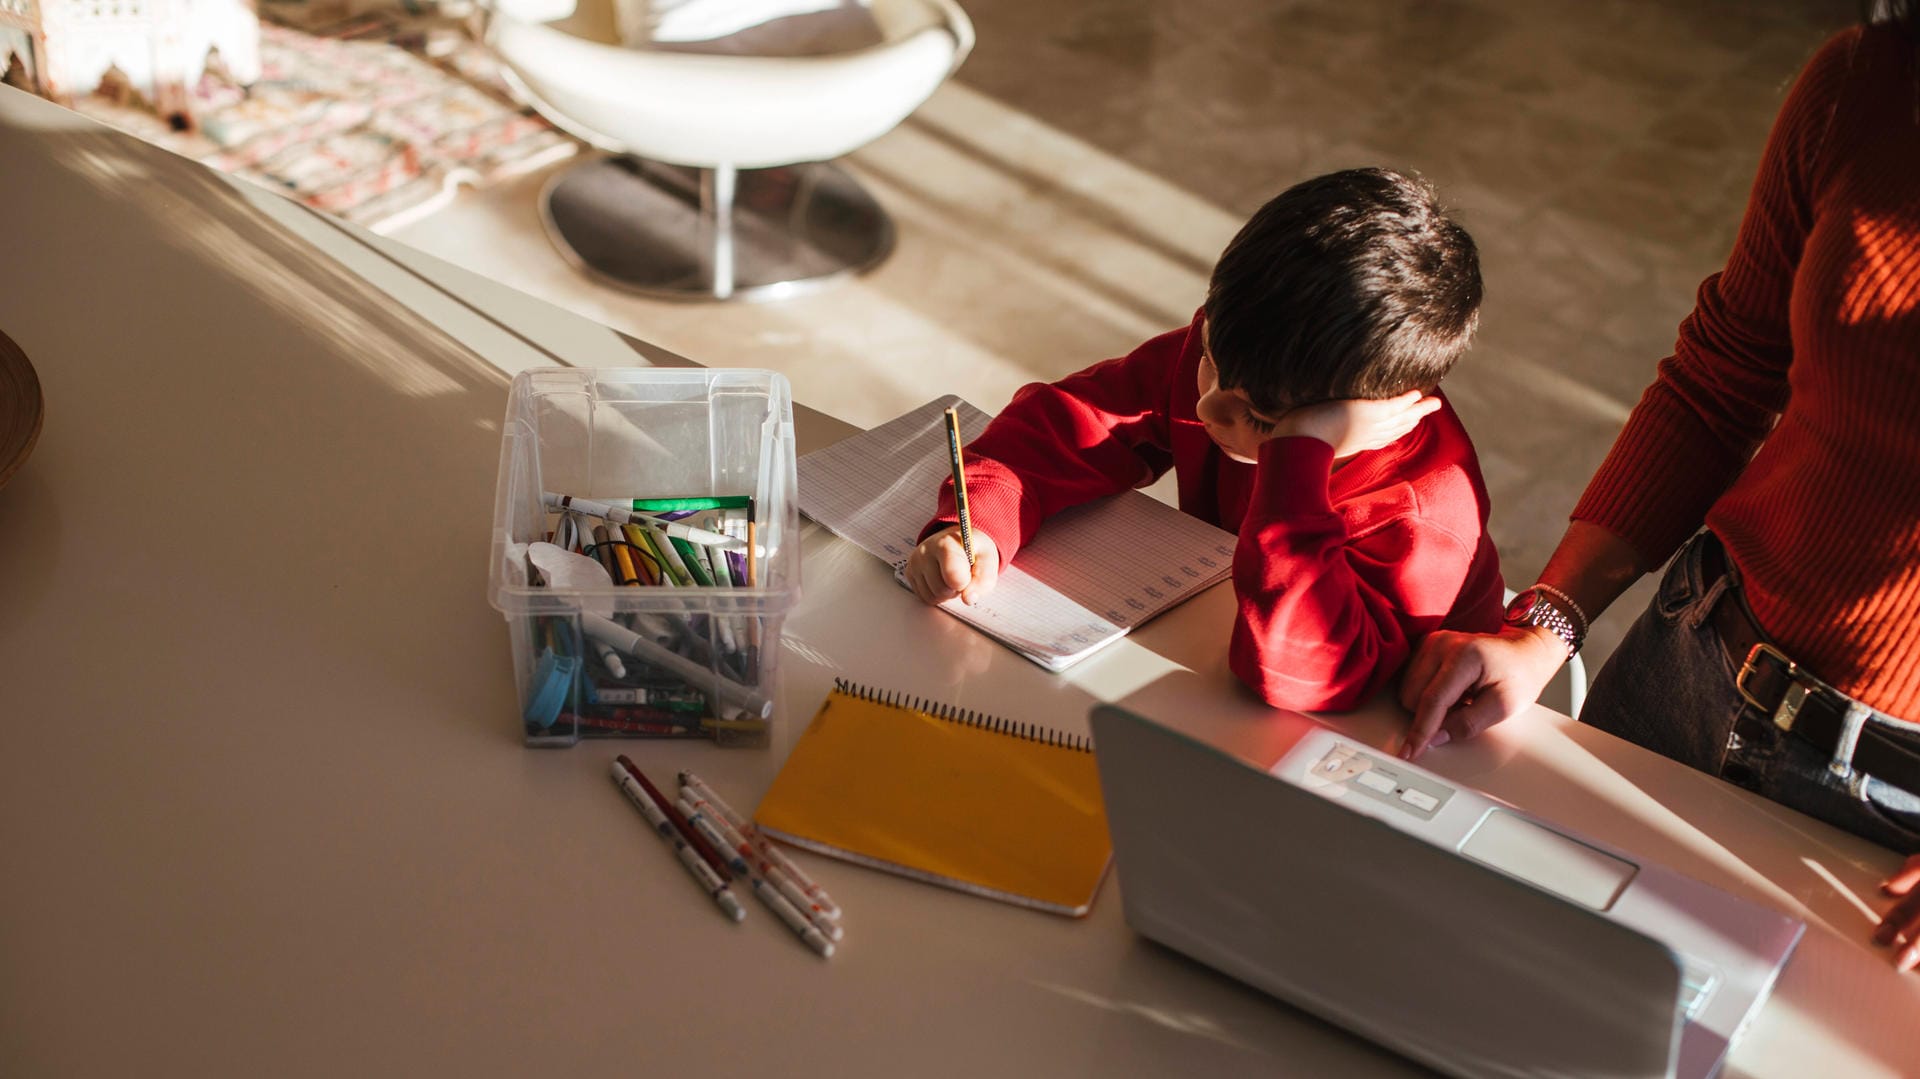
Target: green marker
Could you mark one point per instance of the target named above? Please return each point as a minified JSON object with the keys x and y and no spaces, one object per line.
{"x":691,"y":559}
{"x":669,"y":558}
{"x":678,"y":505}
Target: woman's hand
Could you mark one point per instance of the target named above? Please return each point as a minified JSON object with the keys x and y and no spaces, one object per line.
{"x":1356,"y":425}
{"x":1900,"y":926}
{"x":1459,"y":684}
{"x":937,"y":569}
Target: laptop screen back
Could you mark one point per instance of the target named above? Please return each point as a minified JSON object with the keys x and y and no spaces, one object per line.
{"x":1417,"y":948}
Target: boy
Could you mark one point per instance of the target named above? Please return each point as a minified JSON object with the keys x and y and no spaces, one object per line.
{"x":1298,"y":410}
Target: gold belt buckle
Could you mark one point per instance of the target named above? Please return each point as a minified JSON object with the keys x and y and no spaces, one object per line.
{"x":1797,"y":690}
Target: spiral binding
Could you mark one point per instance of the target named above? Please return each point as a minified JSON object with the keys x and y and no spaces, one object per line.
{"x":967,"y":717}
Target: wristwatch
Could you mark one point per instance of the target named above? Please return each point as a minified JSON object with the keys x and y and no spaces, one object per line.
{"x":1534,"y":607}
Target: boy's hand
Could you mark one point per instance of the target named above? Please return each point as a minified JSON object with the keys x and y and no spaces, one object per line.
{"x":937,"y":569}
{"x":1355,"y":425}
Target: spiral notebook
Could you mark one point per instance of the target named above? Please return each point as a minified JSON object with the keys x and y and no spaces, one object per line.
{"x":1010,"y":811}
{"x":1091,"y":574}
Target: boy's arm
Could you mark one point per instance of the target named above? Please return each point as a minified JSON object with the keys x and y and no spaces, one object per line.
{"x":1095,"y":433}
{"x":1325,"y":618}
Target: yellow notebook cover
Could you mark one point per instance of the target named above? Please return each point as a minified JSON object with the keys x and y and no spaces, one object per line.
{"x":1007,"y":810}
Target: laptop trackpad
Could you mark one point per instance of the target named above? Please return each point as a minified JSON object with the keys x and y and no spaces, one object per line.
{"x":1548,"y":860}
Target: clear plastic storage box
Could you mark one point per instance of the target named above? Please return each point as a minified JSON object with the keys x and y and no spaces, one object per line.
{"x":698,"y":660}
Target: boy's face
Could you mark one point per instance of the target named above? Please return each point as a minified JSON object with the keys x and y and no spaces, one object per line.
{"x":1229,"y":417}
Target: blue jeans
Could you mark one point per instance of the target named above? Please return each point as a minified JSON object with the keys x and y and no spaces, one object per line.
{"x":1670,"y":687}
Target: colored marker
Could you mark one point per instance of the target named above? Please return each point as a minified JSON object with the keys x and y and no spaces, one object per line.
{"x":623,"y":572}
{"x":731,"y":693}
{"x":704,"y":825}
{"x":673,"y":700}
{"x":643,"y":558}
{"x":690,"y":558}
{"x":678,"y":505}
{"x":663,"y":549}
{"x":753,"y":549}
{"x":704,"y":537}
{"x":627,"y":726}
{"x":607,"y":511}
{"x":630,"y":781}
{"x":732,"y":840}
{"x":707,"y":851}
{"x":828,"y":908}
{"x":647,"y":715}
{"x":717,"y":573}
{"x":603,"y":550}
{"x":807,"y":931}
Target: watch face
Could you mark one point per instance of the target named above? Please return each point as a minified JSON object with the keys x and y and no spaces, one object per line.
{"x":1522,"y":605}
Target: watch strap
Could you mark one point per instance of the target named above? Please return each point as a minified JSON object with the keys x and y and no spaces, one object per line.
{"x":1539,"y":609}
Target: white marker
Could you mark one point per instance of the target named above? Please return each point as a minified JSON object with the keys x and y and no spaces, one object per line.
{"x":828,"y":909}
{"x":610,"y":659}
{"x":702,"y":872}
{"x":730,"y":840}
{"x":796,"y":921}
{"x":607,"y":511}
{"x":705,"y":826}
{"x":716,"y":565}
{"x":731,"y":693}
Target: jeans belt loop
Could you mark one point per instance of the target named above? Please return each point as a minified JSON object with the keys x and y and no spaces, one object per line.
{"x":1851,"y":724}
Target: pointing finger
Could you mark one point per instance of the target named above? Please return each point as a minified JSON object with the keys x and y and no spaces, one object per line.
{"x":1458,"y":675}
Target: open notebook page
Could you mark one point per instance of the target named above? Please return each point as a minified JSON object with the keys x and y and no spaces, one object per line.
{"x":1093,"y":572}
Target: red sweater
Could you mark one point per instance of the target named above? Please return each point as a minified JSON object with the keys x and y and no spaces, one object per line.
{"x":1339,"y":570}
{"x":1816,"y":322}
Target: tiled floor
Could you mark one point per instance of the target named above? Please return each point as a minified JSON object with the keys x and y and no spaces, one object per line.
{"x":1066,"y":196}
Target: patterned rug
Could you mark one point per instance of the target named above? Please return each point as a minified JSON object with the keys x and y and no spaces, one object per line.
{"x":363,"y":129}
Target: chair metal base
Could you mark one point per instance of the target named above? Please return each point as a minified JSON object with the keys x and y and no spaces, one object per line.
{"x":655,"y":229}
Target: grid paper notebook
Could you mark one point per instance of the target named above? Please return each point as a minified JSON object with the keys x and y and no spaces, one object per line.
{"x":1091,"y":574}
{"x":1004,"y":810}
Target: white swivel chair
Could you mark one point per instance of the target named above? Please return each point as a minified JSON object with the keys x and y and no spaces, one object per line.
{"x":719,"y":187}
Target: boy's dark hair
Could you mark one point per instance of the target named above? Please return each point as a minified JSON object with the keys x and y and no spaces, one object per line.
{"x":1353,"y":284}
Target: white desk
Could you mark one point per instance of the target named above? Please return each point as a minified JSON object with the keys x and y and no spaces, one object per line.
{"x":263,"y":804}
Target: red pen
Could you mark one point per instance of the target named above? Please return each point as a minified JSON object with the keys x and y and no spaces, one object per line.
{"x":631,"y":726}
{"x":679,"y":820}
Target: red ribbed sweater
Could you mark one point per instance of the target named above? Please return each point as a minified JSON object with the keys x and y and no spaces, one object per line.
{"x":1815,"y":320}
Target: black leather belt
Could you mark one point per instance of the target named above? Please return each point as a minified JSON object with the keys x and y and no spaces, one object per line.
{"x":1797,"y":701}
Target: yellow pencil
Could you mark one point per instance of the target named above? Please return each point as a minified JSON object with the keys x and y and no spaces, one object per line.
{"x":959,"y":484}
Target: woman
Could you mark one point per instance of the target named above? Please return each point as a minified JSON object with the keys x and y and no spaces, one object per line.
{"x":1783,"y":650}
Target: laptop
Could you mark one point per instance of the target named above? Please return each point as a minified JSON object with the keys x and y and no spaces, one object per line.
{"x":1425,"y":916}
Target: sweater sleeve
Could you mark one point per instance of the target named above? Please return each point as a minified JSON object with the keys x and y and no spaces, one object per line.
{"x":1326,"y":617}
{"x":1716,"y":398}
{"x":1056,"y":445}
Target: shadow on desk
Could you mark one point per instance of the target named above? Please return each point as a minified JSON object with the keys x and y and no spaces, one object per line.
{"x":1159,"y":995}
{"x":1837,"y":981}
{"x":306,"y":462}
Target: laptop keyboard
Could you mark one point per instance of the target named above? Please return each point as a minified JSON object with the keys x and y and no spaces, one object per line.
{"x":1698,"y":980}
